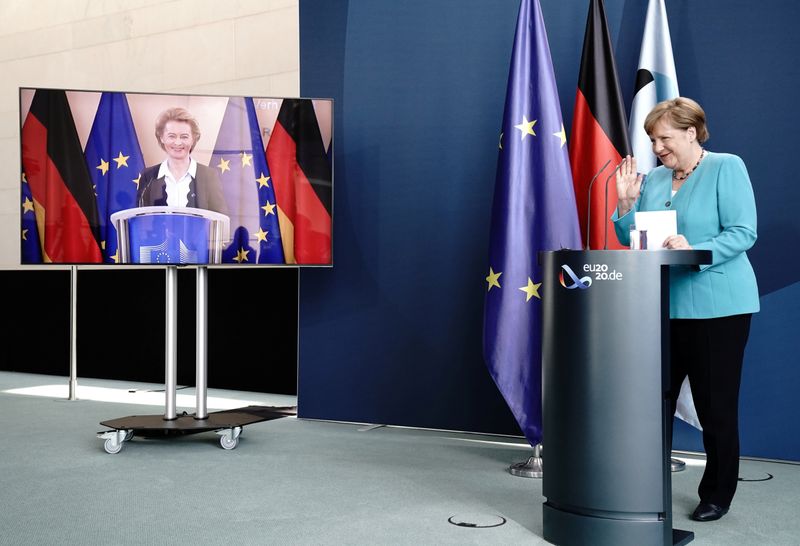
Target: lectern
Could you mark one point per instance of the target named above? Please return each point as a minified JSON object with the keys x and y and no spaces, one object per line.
{"x":605,"y":406}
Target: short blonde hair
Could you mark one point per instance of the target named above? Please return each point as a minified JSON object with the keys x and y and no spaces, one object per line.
{"x":177,"y":114}
{"x":681,"y":113}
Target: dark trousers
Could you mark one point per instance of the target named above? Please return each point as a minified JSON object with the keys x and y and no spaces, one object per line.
{"x":710,"y":352}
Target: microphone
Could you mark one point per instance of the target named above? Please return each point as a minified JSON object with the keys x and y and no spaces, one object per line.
{"x":605,"y":208}
{"x":589,"y":202}
{"x":641,"y":188}
{"x":146,"y":187}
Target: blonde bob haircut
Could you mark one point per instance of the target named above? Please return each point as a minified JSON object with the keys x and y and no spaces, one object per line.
{"x":681,"y":113}
{"x":177,"y":114}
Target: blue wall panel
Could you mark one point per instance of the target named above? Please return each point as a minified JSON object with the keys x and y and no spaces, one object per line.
{"x":392,"y":334}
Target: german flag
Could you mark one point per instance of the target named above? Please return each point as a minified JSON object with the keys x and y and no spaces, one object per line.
{"x":59,"y":181}
{"x":302,"y":180}
{"x":599,"y":131}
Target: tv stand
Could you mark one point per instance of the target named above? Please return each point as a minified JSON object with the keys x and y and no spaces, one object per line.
{"x":228,"y":424}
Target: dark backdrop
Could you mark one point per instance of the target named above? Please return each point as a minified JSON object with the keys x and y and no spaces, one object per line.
{"x":392,"y":334}
{"x":252,"y":324}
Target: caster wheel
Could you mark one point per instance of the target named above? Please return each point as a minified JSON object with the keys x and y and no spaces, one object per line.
{"x":112,"y":447}
{"x":227,"y":442}
{"x":128,"y":435}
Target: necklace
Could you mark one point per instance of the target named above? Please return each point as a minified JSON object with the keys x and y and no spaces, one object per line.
{"x":685,"y":176}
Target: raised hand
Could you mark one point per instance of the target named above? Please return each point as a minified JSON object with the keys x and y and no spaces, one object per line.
{"x":629,"y":182}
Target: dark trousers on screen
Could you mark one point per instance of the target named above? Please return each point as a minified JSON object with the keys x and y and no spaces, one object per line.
{"x":710,"y":352}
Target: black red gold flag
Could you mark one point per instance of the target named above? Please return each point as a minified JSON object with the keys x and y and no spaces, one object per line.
{"x":59,"y":181}
{"x":301,"y":175}
{"x":599,"y":131}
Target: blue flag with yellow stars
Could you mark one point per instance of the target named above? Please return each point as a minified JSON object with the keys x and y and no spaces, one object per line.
{"x":115,"y":164}
{"x":534,"y":209}
{"x":31,"y":250}
{"x":242,"y":166}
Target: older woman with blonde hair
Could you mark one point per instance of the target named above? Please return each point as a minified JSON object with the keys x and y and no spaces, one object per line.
{"x":710,"y":305}
{"x":179,"y":181}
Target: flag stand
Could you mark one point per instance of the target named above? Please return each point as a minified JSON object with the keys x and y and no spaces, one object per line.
{"x":532,"y":468}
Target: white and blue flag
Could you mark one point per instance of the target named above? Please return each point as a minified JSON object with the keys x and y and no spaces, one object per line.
{"x":656,"y":81}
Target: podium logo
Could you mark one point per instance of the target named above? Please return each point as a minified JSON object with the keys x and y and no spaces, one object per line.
{"x":162,"y":254}
{"x":583,"y":283}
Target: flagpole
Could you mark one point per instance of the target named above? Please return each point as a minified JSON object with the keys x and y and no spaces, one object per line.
{"x":533,"y":187}
{"x":655,"y":57}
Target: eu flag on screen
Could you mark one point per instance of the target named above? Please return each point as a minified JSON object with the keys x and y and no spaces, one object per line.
{"x":30,"y":249}
{"x":115,"y":164}
{"x":534,"y":209}
{"x":240,"y":162}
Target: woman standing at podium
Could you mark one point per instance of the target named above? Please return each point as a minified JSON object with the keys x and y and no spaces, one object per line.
{"x":180,"y":181}
{"x":710,"y":305}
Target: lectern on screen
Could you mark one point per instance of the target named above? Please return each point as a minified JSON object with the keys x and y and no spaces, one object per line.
{"x":261,"y":173}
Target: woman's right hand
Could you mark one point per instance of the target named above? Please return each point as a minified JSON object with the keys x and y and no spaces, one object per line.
{"x":628,"y":185}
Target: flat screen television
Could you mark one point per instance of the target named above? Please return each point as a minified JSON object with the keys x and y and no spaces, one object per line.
{"x":144,"y":178}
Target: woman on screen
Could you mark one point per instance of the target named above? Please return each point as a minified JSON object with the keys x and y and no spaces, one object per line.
{"x":710,"y":305}
{"x":179,"y":181}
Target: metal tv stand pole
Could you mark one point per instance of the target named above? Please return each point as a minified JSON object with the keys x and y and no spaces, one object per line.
{"x":171,"y":344}
{"x":171,"y":356}
{"x":201,"y":336}
{"x":73,"y":333}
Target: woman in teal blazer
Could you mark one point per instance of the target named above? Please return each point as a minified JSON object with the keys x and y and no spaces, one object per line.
{"x":710,"y":305}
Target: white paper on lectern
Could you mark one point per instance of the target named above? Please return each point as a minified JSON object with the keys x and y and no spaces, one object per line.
{"x":659,"y":224}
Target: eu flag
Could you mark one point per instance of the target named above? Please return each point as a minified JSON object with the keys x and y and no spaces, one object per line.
{"x":534,"y":209}
{"x":115,"y":164}
{"x":239,"y":157}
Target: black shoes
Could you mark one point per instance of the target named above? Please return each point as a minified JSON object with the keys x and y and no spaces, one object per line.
{"x":706,"y":511}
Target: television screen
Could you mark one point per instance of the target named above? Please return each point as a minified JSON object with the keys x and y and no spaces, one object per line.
{"x":143,"y":178}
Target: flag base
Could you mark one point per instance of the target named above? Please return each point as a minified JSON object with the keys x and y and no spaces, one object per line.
{"x":532,"y":468}
{"x":677,"y":465}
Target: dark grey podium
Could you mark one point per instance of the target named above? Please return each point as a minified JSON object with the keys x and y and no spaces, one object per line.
{"x":605,"y":364}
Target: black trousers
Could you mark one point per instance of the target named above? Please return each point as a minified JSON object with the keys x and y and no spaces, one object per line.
{"x":710,"y":352}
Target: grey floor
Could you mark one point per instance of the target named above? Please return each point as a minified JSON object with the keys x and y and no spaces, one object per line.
{"x":293,"y":481}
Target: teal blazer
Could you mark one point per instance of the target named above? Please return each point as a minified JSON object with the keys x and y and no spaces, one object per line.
{"x":716,"y":211}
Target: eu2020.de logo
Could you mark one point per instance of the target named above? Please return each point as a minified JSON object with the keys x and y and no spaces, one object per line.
{"x":597,"y":272}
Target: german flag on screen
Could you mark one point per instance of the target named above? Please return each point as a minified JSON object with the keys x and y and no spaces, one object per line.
{"x":63,"y":197}
{"x":302,"y":180}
